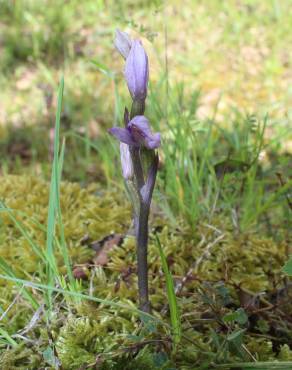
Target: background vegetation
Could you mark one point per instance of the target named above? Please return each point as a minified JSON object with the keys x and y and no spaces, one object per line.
{"x":220,"y":93}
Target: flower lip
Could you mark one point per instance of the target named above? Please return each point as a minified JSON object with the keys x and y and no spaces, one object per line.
{"x":137,"y":133}
{"x":154,"y":142}
{"x":141,"y":132}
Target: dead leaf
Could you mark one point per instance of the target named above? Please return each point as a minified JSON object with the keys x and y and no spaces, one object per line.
{"x":80,"y":272}
{"x":103,"y":247}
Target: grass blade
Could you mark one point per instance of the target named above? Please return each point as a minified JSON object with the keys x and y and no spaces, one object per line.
{"x":8,"y":338}
{"x":106,"y":302}
{"x":9,"y":272}
{"x":173,"y":307}
{"x":53,"y":198}
{"x":63,"y":245}
{"x":24,"y":233}
{"x":285,"y":365}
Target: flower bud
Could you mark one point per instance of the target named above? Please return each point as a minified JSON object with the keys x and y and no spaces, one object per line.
{"x":123,"y":43}
{"x":136,"y":71}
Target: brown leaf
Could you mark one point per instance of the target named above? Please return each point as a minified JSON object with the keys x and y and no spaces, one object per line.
{"x":104,"y":247}
{"x":80,"y":272}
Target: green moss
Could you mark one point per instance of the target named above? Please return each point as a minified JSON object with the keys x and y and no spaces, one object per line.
{"x":285,"y":353}
{"x":86,"y":333}
{"x":19,"y":358}
{"x":84,"y":213}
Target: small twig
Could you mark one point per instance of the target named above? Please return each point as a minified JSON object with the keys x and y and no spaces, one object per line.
{"x":196,"y":264}
{"x":249,"y":353}
{"x":138,"y":346}
{"x":207,"y":251}
{"x":181,"y":284}
{"x":11,"y":304}
{"x":34,"y":320}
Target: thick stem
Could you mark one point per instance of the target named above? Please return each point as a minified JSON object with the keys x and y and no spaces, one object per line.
{"x":142,"y":249}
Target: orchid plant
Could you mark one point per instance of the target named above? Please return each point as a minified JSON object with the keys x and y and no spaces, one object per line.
{"x":139,"y":158}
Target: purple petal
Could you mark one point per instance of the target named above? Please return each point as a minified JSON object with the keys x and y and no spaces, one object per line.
{"x":126,"y":161}
{"x":141,"y":123}
{"x":154,"y":142}
{"x":136,"y":71}
{"x":123,"y":43}
{"x":141,"y":132}
{"x":123,"y":135}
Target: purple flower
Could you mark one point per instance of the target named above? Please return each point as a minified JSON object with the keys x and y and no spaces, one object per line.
{"x":136,"y":71}
{"x":123,"y":43}
{"x":137,"y":133}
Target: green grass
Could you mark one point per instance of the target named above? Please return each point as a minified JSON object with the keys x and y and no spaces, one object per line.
{"x":173,"y":306}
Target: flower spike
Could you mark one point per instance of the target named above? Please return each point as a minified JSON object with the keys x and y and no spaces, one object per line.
{"x":137,"y":149}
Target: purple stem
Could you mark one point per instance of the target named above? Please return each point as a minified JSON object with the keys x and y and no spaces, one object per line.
{"x":142,"y":251}
{"x":142,"y":237}
{"x":141,"y":224}
{"x":137,"y":167}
